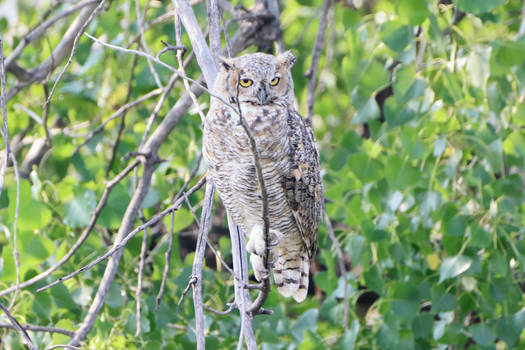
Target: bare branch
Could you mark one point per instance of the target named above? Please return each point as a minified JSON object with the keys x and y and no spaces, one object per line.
{"x":5,"y":128}
{"x":213,"y":24}
{"x":140,"y":23}
{"x":167,"y":256}
{"x":197,"y":264}
{"x":25,"y":337}
{"x":73,"y":50}
{"x":311,"y":74}
{"x":32,"y":328}
{"x":242,"y":295}
{"x":9,"y":154}
{"x":243,"y":38}
{"x":121,"y":111}
{"x":161,"y":19}
{"x":180,"y":74}
{"x":117,"y":248}
{"x":15,"y":231}
{"x":123,"y":119}
{"x":83,"y":236}
{"x":230,"y":308}
{"x":143,"y":249}
{"x":63,"y":346}
{"x":178,"y":38}
{"x":40,"y":29}
{"x":202,"y":52}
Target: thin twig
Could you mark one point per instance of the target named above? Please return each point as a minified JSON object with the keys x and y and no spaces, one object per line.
{"x":261,"y":298}
{"x":178,"y":38}
{"x":32,"y":328}
{"x":230,"y":308}
{"x":73,"y":50}
{"x":167,"y":256}
{"x":161,"y":19}
{"x":210,"y":245}
{"x":63,"y":346}
{"x":5,"y":128}
{"x":140,"y":23}
{"x":45,"y":115}
{"x":138,"y":294}
{"x":170,"y":68}
{"x":167,"y":259}
{"x":121,"y":111}
{"x":341,"y":263}
{"x":155,"y":219}
{"x":83,"y":236}
{"x":61,"y":51}
{"x":9,"y":154}
{"x":311,"y":74}
{"x":41,"y":28}
{"x":15,"y":231}
{"x":169,"y":47}
{"x":25,"y":337}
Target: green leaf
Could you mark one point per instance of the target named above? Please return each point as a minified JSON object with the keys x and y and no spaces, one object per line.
{"x":307,"y":321}
{"x":395,"y":35}
{"x":400,"y":174}
{"x":32,"y":213}
{"x":349,"y":338}
{"x":482,"y":334}
{"x":446,"y":302}
{"x":78,"y":211}
{"x":368,"y":112}
{"x":365,"y":168}
{"x":478,"y":6}
{"x":413,"y":12}
{"x":453,"y":266}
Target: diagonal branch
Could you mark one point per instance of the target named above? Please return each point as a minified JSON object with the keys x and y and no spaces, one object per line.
{"x":117,"y":248}
{"x":25,"y":337}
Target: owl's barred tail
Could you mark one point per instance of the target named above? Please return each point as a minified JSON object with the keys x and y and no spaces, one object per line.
{"x":290,"y":274}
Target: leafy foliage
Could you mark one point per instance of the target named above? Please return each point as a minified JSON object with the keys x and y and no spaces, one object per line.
{"x":420,"y":116}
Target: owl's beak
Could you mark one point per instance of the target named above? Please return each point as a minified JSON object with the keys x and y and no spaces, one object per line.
{"x":261,"y":95}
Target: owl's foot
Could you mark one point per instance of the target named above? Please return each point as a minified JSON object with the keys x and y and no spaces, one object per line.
{"x":258,"y":267}
{"x":256,"y":243}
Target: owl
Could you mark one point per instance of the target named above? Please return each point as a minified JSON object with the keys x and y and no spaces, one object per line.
{"x":262,"y":86}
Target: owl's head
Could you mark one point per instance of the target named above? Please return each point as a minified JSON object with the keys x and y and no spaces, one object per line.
{"x":258,"y":79}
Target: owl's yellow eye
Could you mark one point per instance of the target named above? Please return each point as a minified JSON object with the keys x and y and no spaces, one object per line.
{"x":246,"y":82}
{"x":275,"y":81}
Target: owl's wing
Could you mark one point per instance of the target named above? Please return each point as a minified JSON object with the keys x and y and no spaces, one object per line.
{"x":302,"y":185}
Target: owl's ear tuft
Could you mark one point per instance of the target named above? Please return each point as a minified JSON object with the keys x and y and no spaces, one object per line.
{"x":286,"y":59}
{"x":227,"y":63}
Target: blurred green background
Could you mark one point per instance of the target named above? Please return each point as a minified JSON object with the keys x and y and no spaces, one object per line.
{"x":420,"y":119}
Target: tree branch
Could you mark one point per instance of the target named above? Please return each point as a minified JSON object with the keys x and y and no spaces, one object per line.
{"x":83,"y":236}
{"x":25,"y":337}
{"x":32,"y":328}
{"x":311,"y":74}
{"x":197,"y":264}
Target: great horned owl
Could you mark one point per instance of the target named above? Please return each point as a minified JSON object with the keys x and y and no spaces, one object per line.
{"x":262,"y":86}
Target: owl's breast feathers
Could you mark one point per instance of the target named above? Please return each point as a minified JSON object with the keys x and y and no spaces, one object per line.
{"x":290,"y":163}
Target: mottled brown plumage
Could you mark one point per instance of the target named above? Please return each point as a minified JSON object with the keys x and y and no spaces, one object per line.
{"x":262,"y":85}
